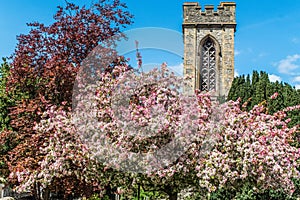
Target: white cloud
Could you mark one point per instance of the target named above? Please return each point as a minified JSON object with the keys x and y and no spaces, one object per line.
{"x":296,"y":79}
{"x":177,"y":69}
{"x":288,"y":65}
{"x":262,"y":54}
{"x":297,"y":87}
{"x":236,"y":73}
{"x":274,"y":78}
{"x":237,"y":52}
{"x":296,"y":40}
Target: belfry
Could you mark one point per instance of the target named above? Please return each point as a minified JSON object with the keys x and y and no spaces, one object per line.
{"x":208,"y":36}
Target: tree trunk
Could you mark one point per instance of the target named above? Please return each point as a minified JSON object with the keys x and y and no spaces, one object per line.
{"x":36,"y":191}
{"x":110,"y":193}
{"x":173,"y":196}
{"x":46,"y":194}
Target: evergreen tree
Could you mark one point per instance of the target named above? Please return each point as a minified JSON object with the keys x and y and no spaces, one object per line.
{"x":260,"y":89}
{"x":5,"y":100}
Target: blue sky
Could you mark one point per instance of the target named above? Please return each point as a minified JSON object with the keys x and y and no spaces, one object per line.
{"x":267,"y":37}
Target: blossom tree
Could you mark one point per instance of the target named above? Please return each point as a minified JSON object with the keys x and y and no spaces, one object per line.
{"x":43,"y":69}
{"x":144,"y":128}
{"x":144,"y":124}
{"x":251,"y":148}
{"x":66,"y":163}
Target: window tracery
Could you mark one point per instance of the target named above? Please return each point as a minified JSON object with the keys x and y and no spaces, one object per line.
{"x":208,"y":68}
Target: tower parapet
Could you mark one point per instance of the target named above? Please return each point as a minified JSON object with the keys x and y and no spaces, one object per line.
{"x":225,"y":14}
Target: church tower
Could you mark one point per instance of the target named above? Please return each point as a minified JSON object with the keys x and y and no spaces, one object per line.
{"x":209,"y":47}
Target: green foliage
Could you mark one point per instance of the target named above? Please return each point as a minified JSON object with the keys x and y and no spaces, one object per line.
{"x":248,"y":193}
{"x":97,"y":197}
{"x":5,"y":99}
{"x":149,"y":195}
{"x":260,"y":89}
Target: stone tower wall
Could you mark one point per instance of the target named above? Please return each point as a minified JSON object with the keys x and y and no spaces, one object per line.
{"x":218,"y":24}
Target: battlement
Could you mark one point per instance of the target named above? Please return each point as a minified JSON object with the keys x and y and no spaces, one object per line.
{"x":193,"y":14}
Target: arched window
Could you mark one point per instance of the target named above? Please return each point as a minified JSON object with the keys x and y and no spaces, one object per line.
{"x":208,"y":66}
